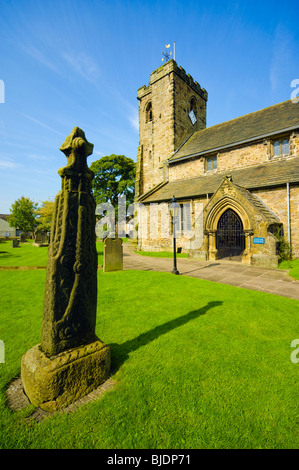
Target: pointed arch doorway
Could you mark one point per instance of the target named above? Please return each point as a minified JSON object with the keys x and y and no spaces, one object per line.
{"x":230,"y":240}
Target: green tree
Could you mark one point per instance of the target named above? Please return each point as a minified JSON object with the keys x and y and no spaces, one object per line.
{"x":114,"y":176}
{"x":23,"y":214}
{"x":44,"y":215}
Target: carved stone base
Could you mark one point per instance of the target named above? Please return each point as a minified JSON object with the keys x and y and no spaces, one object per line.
{"x":56,"y":382}
{"x":246,"y":257}
{"x":213,"y":255}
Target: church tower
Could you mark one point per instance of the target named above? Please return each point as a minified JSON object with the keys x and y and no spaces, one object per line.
{"x":171,"y":108}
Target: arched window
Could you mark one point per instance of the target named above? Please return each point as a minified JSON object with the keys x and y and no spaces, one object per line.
{"x":149,"y":112}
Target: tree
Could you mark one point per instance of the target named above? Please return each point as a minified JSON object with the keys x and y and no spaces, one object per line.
{"x":23,"y":214}
{"x":44,"y":215}
{"x":114,"y":176}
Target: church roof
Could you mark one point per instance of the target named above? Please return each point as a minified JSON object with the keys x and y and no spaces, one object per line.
{"x":252,"y":177}
{"x":268,"y":121}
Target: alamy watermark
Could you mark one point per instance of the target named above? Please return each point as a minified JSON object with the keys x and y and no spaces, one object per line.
{"x":2,"y":352}
{"x":295,"y":353}
{"x":295,"y":84}
{"x":152,"y":221}
{"x":2,"y":92}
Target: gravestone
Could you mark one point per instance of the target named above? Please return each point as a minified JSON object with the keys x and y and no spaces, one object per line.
{"x":38,"y":238}
{"x":23,"y":237}
{"x":113,"y":255}
{"x":70,"y":361}
{"x":15,"y":243}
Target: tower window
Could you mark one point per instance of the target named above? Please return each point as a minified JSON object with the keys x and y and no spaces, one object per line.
{"x":193,"y":105}
{"x":192,"y":111}
{"x":149,"y":112}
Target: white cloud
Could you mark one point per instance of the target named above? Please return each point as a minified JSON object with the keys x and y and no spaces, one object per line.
{"x":37,"y":54}
{"x":84,"y":65}
{"x":40,"y":123}
{"x":8,"y":165}
{"x":282,"y":57}
{"x":40,"y":158}
{"x":134,"y":119}
{"x":130,"y":111}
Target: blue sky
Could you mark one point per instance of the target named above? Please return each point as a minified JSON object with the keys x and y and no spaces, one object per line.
{"x":67,"y":63}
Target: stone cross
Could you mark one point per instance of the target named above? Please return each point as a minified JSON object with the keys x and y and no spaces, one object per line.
{"x":70,"y":361}
{"x":70,"y":302}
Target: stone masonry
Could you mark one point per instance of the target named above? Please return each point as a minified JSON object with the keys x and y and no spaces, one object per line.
{"x":169,"y":94}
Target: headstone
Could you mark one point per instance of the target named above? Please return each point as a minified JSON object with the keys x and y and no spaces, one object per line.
{"x":23,"y":237}
{"x":38,"y":237}
{"x":70,"y":361}
{"x":113,"y":255}
{"x":15,"y":243}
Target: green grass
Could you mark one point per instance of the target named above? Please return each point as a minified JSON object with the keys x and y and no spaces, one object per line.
{"x":197,"y":365}
{"x":293,"y":266}
{"x":24,"y":255}
{"x":28,"y":255}
{"x":161,"y":254}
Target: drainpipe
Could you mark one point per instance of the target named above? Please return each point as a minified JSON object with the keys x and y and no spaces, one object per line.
{"x":289,"y":214}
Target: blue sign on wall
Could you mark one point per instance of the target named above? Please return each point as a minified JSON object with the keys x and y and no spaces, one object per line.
{"x":258,"y":240}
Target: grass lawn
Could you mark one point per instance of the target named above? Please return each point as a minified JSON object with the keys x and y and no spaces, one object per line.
{"x":197,"y":365}
{"x":28,"y":255}
{"x":293,"y":265}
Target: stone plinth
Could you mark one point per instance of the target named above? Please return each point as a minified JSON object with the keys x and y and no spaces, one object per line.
{"x":54,"y":383}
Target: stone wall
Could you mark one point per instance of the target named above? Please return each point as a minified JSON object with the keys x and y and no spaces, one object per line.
{"x":239,"y":157}
{"x":186,"y":169}
{"x":276,"y":200}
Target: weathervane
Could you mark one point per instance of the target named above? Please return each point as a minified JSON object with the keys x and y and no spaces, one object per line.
{"x":166,"y":55}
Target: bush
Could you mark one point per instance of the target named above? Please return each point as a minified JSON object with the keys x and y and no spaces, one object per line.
{"x":284,"y":249}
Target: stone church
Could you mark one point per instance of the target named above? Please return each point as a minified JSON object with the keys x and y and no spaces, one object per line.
{"x":236,"y":183}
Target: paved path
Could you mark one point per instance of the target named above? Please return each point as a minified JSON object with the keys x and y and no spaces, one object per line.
{"x":273,"y":281}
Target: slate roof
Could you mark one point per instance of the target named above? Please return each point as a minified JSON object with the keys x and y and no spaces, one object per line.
{"x":251,"y":126}
{"x":253,"y":177}
{"x":259,"y":205}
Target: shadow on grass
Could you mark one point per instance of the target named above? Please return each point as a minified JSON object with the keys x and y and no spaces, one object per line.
{"x":120,"y":352}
